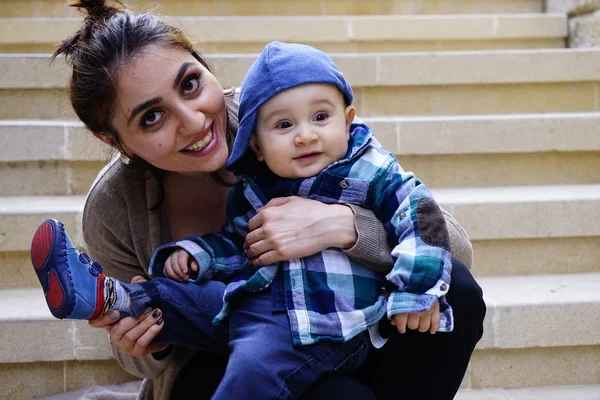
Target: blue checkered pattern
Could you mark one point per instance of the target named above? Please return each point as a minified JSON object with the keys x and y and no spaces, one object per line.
{"x":328,"y":295}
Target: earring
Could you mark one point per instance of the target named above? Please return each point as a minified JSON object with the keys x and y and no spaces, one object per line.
{"x":125,"y":159}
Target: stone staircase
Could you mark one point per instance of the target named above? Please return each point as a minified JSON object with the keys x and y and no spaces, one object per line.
{"x":478,"y":97}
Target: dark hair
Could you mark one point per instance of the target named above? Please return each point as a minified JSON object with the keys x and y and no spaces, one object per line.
{"x":110,"y":37}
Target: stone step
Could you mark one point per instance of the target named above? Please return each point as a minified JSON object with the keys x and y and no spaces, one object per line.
{"x":334,"y":34}
{"x":515,"y":230}
{"x":528,"y":230}
{"x":525,"y":212}
{"x":589,"y":392}
{"x":48,"y":158}
{"x":418,"y":83}
{"x":43,"y":157}
{"x":533,"y":334}
{"x":495,"y":150}
{"x":42,"y":355}
{"x":35,"y":380}
{"x":56,"y":8}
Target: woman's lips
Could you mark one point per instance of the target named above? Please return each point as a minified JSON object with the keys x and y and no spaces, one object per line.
{"x":204,"y":145}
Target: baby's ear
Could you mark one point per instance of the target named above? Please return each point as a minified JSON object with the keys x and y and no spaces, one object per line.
{"x":350,"y":114}
{"x":256,"y":148}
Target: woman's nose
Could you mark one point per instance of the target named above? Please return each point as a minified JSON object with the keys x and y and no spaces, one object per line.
{"x":190,"y":120}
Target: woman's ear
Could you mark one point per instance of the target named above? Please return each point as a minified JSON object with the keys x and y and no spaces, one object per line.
{"x":350,"y":114}
{"x":106,"y":139}
{"x":256,"y":148}
{"x":111,"y":142}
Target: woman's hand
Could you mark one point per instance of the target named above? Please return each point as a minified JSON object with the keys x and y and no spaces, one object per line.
{"x":294,"y":227}
{"x":130,"y":335}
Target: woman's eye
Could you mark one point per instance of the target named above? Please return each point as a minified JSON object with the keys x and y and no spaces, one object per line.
{"x":320,"y":117}
{"x":284,"y":125}
{"x":190,"y":85}
{"x":151,"y":118}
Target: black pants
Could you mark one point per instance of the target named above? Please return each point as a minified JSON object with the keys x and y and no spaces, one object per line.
{"x":410,"y":366}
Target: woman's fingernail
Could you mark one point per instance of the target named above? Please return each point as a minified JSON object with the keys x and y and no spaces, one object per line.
{"x":156,"y":313}
{"x":160,"y":322}
{"x":114,"y":314}
{"x":147,"y":310}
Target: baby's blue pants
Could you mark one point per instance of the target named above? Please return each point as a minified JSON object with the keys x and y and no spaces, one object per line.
{"x":263,"y":363}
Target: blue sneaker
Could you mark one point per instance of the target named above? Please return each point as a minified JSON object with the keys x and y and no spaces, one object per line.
{"x":73,"y":284}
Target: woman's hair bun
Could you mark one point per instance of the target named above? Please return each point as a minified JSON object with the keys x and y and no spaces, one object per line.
{"x":98,"y":12}
{"x":97,"y":9}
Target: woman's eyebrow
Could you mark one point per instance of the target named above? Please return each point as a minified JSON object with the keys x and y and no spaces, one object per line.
{"x":180,"y":73}
{"x":140,"y":107}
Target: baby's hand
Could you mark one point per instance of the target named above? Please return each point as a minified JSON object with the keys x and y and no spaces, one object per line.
{"x":422,"y":321}
{"x":176,"y":266}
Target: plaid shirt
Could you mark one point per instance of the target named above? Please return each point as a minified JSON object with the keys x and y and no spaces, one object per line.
{"x":329,"y":296}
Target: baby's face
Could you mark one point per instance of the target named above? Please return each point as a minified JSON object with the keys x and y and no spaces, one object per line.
{"x":302,"y":130}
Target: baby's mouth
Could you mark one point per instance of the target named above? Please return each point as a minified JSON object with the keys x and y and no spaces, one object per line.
{"x":307,"y":156}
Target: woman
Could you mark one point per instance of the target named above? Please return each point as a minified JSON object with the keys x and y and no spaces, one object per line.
{"x":140,"y":87}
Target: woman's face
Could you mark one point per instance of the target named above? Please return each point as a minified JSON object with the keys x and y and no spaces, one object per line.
{"x":170,"y":111}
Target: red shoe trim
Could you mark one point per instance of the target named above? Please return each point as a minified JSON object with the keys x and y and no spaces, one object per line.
{"x":41,"y":244}
{"x":55,"y":296}
{"x":99,"y":298}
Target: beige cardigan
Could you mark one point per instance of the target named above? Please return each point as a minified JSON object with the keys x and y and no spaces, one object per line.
{"x":121,"y":228}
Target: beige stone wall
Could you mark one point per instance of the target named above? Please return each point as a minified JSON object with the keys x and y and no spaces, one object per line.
{"x":584,"y":30}
{"x":575,"y":7}
{"x":56,"y":8}
{"x":584,"y":20}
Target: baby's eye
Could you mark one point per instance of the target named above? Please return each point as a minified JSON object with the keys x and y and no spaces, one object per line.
{"x":190,"y":85}
{"x":151,"y":118}
{"x":320,"y":117}
{"x":284,"y":125}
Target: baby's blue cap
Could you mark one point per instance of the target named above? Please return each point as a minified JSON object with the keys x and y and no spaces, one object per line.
{"x":281,"y":66}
